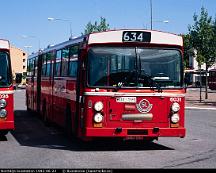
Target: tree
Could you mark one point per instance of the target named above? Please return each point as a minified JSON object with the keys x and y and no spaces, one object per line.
{"x":187,"y":48}
{"x":102,"y":26}
{"x":202,"y":37}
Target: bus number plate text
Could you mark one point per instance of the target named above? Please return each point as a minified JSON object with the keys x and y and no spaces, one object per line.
{"x":126,"y":99}
{"x":136,"y":36}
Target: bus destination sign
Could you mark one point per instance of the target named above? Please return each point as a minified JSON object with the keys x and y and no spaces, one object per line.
{"x":136,"y":36}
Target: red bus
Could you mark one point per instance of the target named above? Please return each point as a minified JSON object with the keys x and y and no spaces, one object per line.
{"x":122,"y":83}
{"x":6,"y":90}
{"x":212,"y":79}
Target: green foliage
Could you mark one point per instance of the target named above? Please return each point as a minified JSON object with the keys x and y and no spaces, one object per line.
{"x":187,"y":47}
{"x":202,"y":37}
{"x":102,"y":26}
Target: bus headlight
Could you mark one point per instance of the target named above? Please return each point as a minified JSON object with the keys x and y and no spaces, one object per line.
{"x":175,"y":118}
{"x":175,"y":107}
{"x":3,"y":113}
{"x":98,"y":106}
{"x":3,"y":103}
{"x":98,"y":118}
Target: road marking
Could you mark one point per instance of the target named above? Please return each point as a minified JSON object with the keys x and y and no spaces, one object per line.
{"x":200,"y":108}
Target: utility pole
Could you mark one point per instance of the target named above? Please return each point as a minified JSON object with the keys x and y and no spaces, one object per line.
{"x":151,"y":13}
{"x":66,"y":20}
{"x":200,"y":84}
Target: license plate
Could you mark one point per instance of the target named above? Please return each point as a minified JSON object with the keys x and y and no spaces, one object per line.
{"x":134,"y":138}
{"x":126,"y":99}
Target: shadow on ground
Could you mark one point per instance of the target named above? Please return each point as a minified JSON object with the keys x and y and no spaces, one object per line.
{"x":3,"y":138}
{"x":31,"y":131}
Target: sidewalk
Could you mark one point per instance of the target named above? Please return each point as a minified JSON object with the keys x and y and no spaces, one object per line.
{"x":193,"y":98}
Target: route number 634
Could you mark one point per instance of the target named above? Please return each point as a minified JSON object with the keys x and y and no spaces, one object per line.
{"x":136,"y":36}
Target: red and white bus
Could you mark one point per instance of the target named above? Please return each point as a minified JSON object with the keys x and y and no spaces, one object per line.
{"x":6,"y":90}
{"x":121,"y":83}
{"x":212,"y":79}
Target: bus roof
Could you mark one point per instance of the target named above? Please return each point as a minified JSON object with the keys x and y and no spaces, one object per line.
{"x":4,"y":44}
{"x":115,"y":36}
{"x":59,"y":46}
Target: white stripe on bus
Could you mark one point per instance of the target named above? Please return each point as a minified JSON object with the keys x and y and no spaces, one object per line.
{"x":113,"y":94}
{"x":7,"y":92}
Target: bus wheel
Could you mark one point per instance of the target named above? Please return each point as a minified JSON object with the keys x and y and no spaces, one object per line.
{"x":68,"y":123}
{"x":27,"y":103}
{"x":3,"y":133}
{"x":149,"y":140}
{"x":44,"y":115}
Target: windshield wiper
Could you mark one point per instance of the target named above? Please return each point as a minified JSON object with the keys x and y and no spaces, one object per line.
{"x":127,"y":79}
{"x":141,"y":73}
{"x":146,"y":77}
{"x":119,"y":86}
{"x":159,"y":87}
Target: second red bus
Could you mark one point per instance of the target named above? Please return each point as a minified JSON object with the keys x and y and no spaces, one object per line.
{"x":6,"y":89}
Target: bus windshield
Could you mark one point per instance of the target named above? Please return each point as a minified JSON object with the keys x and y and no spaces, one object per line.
{"x":134,"y":67}
{"x":4,"y":70}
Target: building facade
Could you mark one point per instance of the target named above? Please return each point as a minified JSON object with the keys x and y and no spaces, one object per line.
{"x":18,"y":62}
{"x":194,"y":74}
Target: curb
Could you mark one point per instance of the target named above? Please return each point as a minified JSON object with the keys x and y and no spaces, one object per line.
{"x":199,"y":108}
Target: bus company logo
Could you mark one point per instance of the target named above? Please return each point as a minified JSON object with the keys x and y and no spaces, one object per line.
{"x":144,"y":106}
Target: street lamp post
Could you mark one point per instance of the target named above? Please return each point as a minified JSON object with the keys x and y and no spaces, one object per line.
{"x":33,"y":37}
{"x":28,"y":47}
{"x":151,"y":13}
{"x":151,"y":16}
{"x":162,"y":21}
{"x":66,"y":20}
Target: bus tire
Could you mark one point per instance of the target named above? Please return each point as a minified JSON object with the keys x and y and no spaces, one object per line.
{"x":68,"y":123}
{"x":27,"y":103}
{"x":149,"y":140}
{"x":44,"y":114}
{"x":3,"y":133}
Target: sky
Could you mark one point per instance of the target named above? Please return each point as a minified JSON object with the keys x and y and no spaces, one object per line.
{"x":25,"y":22}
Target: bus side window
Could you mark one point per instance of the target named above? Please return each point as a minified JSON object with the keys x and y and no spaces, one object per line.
{"x":58,"y":64}
{"x":35,"y":71}
{"x":65,"y":59}
{"x":29,"y":67}
{"x":73,"y":62}
{"x":49,"y":60}
{"x":44,"y":65}
{"x":73,"y":68}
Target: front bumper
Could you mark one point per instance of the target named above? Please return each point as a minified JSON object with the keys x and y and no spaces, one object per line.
{"x":7,"y":125}
{"x":127,"y":132}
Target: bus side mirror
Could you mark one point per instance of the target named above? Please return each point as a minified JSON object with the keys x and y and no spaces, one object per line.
{"x":185,"y":84}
